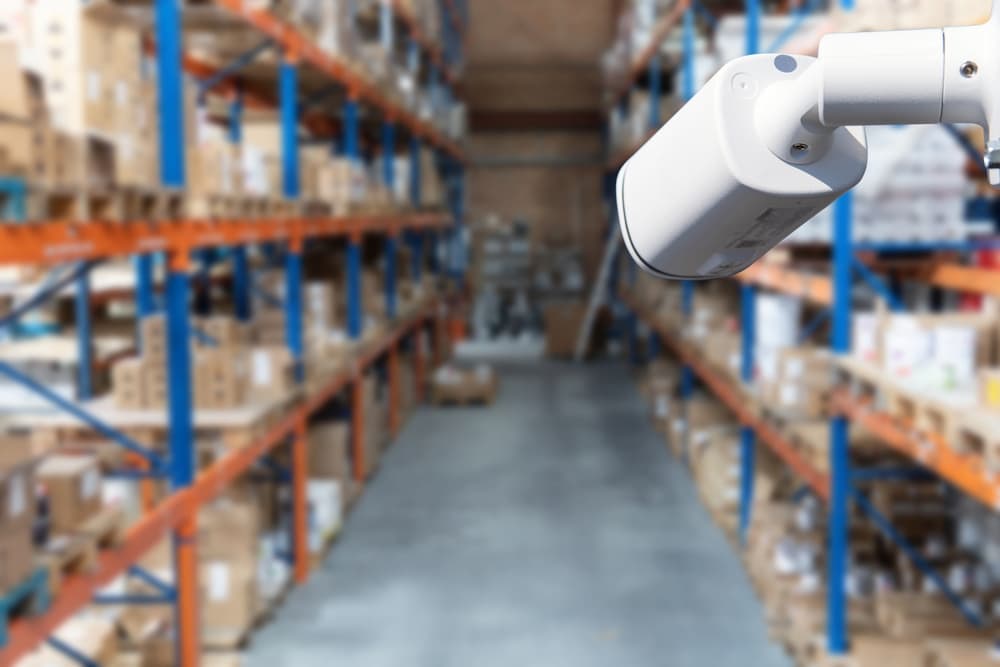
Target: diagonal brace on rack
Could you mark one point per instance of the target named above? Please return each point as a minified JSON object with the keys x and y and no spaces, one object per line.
{"x":45,"y":293}
{"x":887,"y":529}
{"x":231,"y":68}
{"x":878,"y":284}
{"x":71,"y":653}
{"x":155,"y":460}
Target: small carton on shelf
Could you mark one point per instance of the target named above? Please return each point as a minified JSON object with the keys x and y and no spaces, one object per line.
{"x":73,"y":487}
{"x":220,"y":378}
{"x":228,"y":600}
{"x":328,"y":445}
{"x":128,"y":383}
{"x":271,"y":373}
{"x":153,"y":338}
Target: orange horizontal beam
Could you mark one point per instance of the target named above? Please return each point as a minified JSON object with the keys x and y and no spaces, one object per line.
{"x":963,"y":278}
{"x":78,"y":591}
{"x":737,"y":403}
{"x":662,"y":30}
{"x":51,"y":242}
{"x":966,"y":471}
{"x":815,"y":288}
{"x":298,"y":45}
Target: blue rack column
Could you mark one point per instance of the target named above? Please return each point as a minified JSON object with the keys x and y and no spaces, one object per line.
{"x":241,"y":266}
{"x":85,"y":362}
{"x":389,"y":178}
{"x":748,"y":444}
{"x":182,"y":454}
{"x":840,"y":465}
{"x":180,"y":408}
{"x":748,"y":331}
{"x":416,"y":185}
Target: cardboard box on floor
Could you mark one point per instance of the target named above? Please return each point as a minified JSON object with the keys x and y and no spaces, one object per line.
{"x":562,"y":326}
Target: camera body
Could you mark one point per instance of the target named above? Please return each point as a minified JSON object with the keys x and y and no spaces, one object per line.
{"x":707,"y":195}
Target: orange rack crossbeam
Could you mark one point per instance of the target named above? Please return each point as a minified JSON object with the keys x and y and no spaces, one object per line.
{"x":57,"y":241}
{"x":295,"y":42}
{"x":966,"y":471}
{"x":814,"y":288}
{"x":78,"y":591}
{"x":737,"y":402}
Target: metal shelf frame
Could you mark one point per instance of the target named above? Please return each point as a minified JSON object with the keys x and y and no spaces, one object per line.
{"x":88,"y":243}
{"x":839,"y":487}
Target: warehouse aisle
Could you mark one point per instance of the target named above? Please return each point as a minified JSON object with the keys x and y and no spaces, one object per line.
{"x":552,"y":529}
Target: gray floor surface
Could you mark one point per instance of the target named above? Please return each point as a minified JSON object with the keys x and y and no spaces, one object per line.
{"x":551,"y":529}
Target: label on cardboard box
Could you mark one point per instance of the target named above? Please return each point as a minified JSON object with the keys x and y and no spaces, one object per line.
{"x":218,"y":581}
{"x":789,"y":394}
{"x":90,"y":484}
{"x":15,"y":496}
{"x":662,"y":407}
{"x":93,"y":86}
{"x":262,"y":374}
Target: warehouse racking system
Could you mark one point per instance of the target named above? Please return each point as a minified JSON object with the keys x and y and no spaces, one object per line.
{"x":853,"y":403}
{"x":87,"y":243}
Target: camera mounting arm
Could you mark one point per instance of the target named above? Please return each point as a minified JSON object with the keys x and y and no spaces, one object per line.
{"x":944,"y":75}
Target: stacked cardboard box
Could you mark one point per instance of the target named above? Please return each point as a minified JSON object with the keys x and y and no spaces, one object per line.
{"x":228,"y":533}
{"x":72,"y":484}
{"x":228,"y":372}
{"x":17,"y":512}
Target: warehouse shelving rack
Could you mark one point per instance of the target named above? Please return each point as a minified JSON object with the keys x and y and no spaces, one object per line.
{"x":929,"y":452}
{"x":87,"y":243}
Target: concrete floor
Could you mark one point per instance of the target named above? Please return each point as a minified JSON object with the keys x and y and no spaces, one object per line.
{"x":551,"y":529}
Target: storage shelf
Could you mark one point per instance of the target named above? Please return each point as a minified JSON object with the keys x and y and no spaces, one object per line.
{"x":78,"y":591}
{"x":818,"y":288}
{"x":300,"y":47}
{"x":815,"y":288}
{"x":729,"y":393}
{"x":427,"y":45}
{"x":968,"y":472}
{"x":662,"y":30}
{"x":52,"y":242}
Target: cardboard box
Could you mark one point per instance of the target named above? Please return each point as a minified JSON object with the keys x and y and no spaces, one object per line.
{"x":271,"y":375}
{"x":153,"y":338}
{"x":73,"y":486}
{"x":154,"y":374}
{"x":328,"y":445}
{"x":220,"y":378}
{"x":229,"y":526}
{"x":326,"y":505}
{"x":128,"y":384}
{"x":17,"y":555}
{"x":225,"y":331}
{"x":229,"y":600}
{"x":562,"y":326}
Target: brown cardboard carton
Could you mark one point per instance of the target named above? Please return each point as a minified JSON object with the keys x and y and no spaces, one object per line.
{"x":562,"y":325}
{"x":128,"y":383}
{"x":154,"y":375}
{"x":271,"y":373}
{"x":225,"y":331}
{"x":17,"y":481}
{"x":17,"y":555}
{"x":73,"y":485}
{"x":229,"y":599}
{"x":153,"y":335}
{"x":220,"y":378}
{"x":229,"y":526}
{"x":328,"y":444}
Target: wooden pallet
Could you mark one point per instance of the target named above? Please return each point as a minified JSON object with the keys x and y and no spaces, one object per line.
{"x":66,"y":555}
{"x":978,"y":433}
{"x":462,"y":396}
{"x":33,"y":596}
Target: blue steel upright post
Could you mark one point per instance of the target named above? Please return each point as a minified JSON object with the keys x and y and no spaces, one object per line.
{"x":85,"y":362}
{"x":178,"y":334}
{"x":351,"y":143}
{"x":416,"y":185}
{"x":687,"y":287}
{"x":748,"y":333}
{"x":241,"y":266}
{"x":389,"y":177}
{"x":290,"y":186}
{"x":840,"y":464}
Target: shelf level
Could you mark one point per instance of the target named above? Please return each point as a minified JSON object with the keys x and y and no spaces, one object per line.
{"x":53,"y":242}
{"x":968,"y":472}
{"x":78,"y":591}
{"x":300,"y":47}
{"x":661,"y":31}
{"x":727,"y":391}
{"x":815,"y":288}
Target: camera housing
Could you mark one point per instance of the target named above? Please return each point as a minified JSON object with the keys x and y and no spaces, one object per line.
{"x":707,"y":195}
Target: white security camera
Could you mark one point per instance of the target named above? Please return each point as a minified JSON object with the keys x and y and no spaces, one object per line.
{"x":771,"y":140}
